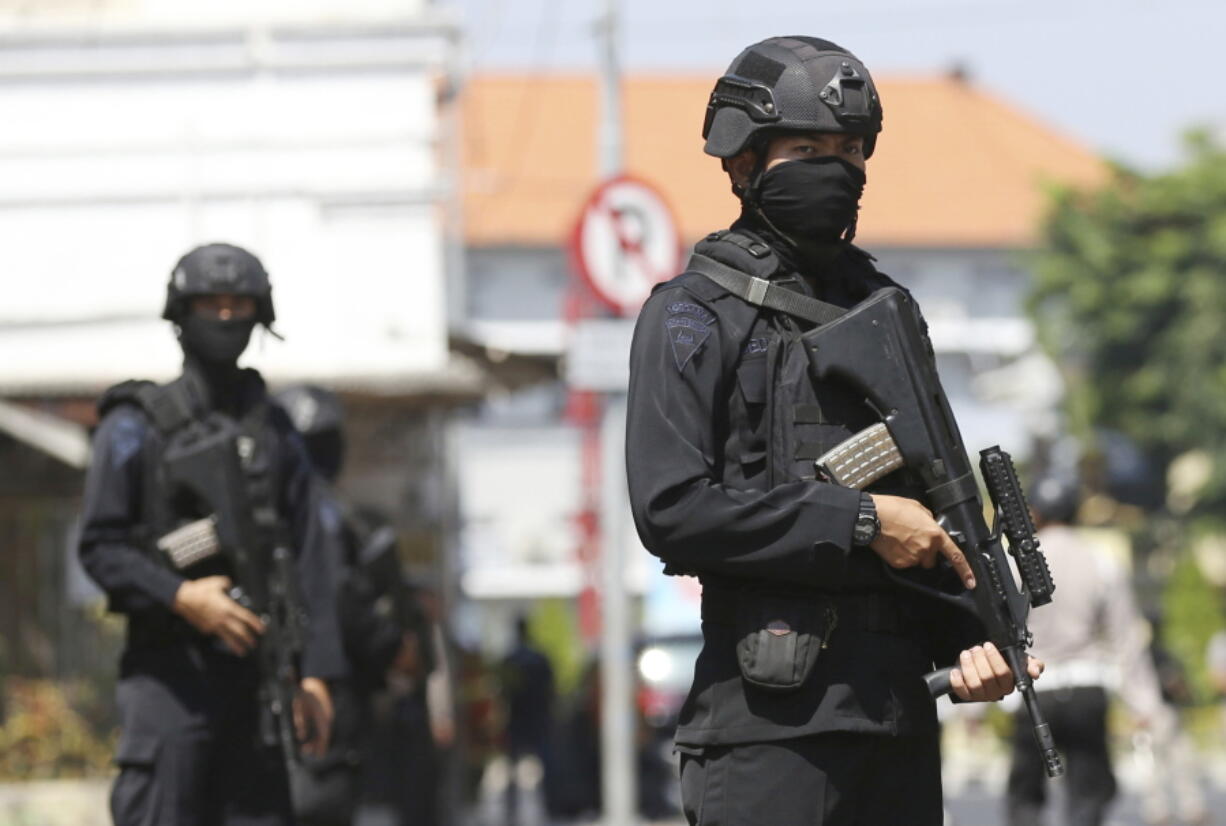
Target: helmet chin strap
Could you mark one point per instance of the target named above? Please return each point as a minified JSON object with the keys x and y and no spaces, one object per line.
{"x":850,"y":233}
{"x":749,"y":195}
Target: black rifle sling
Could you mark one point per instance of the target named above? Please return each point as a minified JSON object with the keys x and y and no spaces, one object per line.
{"x":763,"y":293}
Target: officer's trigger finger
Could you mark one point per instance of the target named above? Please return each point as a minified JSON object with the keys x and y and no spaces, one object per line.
{"x":242,"y":635}
{"x":250,"y":620}
{"x":958,"y":560}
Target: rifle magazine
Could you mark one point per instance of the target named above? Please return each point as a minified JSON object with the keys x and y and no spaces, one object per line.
{"x":861,"y":460}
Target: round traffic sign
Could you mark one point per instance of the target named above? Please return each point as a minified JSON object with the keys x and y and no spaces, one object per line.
{"x":625,"y":241}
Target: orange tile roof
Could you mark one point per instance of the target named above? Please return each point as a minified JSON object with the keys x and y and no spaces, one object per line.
{"x":954,"y":166}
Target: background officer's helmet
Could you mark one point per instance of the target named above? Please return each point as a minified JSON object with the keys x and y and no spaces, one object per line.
{"x":786,"y":84}
{"x":215,"y":269}
{"x":1055,"y":497}
{"x":317,"y":414}
{"x":311,"y":408}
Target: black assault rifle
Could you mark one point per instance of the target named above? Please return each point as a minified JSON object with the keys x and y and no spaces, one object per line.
{"x":204,"y":462}
{"x":880,"y":348}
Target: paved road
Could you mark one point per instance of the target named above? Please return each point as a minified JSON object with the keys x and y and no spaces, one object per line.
{"x":975,"y":803}
{"x":985,"y":809}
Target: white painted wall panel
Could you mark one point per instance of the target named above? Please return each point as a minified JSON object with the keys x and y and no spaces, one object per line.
{"x":329,"y":173}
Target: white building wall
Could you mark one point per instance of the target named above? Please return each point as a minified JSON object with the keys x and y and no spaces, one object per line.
{"x":307,"y":132}
{"x":521,"y":493}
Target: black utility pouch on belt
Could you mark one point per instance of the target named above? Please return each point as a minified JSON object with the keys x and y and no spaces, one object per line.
{"x":779,"y":637}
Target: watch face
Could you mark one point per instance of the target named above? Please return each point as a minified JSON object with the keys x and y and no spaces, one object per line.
{"x":866,"y":529}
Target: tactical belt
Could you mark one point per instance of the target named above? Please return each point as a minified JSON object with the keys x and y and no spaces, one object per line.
{"x":875,"y":612}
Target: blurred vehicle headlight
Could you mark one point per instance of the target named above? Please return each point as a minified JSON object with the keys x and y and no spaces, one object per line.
{"x":655,"y":665}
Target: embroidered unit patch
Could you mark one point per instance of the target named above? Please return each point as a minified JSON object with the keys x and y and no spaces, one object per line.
{"x":687,"y":335}
{"x":756,"y":346}
{"x":693,"y":310}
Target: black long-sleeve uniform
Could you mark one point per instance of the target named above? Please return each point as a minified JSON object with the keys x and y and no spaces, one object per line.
{"x":709,"y":498}
{"x":188,"y":710}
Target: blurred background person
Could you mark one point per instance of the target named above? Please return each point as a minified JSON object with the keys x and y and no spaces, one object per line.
{"x":1090,"y":632}
{"x":387,"y":637}
{"x":527,"y":688}
{"x":409,"y":762}
{"x":200,"y":740}
{"x":1173,"y":790}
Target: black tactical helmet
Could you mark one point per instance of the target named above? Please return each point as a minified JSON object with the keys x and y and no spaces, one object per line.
{"x":317,"y":414}
{"x":312,"y":409}
{"x":214,"y":269}
{"x":788,"y":84}
{"x":1055,"y":498}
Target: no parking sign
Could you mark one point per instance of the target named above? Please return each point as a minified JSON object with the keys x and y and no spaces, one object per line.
{"x":625,"y":241}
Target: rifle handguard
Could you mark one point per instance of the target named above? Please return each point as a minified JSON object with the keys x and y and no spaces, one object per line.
{"x":1000,"y":477}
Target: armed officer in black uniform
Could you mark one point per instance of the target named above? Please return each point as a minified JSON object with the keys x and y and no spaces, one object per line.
{"x":202,"y":741}
{"x":808,"y":704}
{"x":383,"y":628}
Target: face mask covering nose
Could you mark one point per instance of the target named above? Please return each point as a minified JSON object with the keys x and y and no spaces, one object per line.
{"x":215,"y":341}
{"x":812,"y":199}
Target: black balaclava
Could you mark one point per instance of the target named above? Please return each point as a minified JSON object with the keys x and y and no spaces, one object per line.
{"x":811,"y":200}
{"x":211,"y":348}
{"x":216,"y":342}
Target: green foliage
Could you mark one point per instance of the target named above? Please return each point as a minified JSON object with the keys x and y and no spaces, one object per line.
{"x":554,"y":628}
{"x":1130,"y":299}
{"x":44,"y":735}
{"x":1192,"y":610}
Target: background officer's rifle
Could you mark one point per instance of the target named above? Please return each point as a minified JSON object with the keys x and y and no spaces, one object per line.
{"x":203,"y":461}
{"x":880,"y":347}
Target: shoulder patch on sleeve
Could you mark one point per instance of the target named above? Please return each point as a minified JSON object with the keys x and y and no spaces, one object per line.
{"x":688,"y":327}
{"x":125,"y":434}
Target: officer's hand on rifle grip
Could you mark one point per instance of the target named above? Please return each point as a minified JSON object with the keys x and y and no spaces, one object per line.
{"x":313,"y":714}
{"x":206,"y":604}
{"x":910,"y":536}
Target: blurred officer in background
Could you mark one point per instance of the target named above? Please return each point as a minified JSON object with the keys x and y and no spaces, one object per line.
{"x":1093,"y":637}
{"x":203,"y":738}
{"x":527,"y":694}
{"x":808,"y":703}
{"x":1174,"y":774}
{"x":386,"y":634}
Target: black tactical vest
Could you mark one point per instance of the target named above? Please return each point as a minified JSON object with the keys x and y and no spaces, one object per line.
{"x":786,"y":418}
{"x":173,"y":409}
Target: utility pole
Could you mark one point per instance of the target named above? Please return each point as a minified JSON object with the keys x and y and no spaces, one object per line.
{"x":617,"y":722}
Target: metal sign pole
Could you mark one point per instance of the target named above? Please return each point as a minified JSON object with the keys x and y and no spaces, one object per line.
{"x":617,"y":717}
{"x":616,"y":711}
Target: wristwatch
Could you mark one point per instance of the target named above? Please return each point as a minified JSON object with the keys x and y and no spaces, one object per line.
{"x":867,"y":524}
